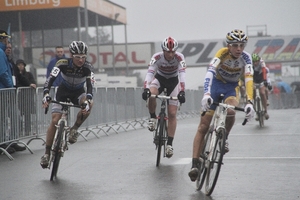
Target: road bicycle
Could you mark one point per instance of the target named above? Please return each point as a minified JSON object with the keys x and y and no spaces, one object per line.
{"x":258,"y":107}
{"x":160,"y":136}
{"x":60,"y":145}
{"x":211,"y":158}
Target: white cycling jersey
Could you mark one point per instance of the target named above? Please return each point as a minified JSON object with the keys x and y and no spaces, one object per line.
{"x":165,"y":68}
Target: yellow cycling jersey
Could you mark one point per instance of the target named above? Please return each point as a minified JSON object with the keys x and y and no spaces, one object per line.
{"x":229,"y":69}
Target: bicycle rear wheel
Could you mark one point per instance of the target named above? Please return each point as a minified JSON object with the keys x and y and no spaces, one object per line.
{"x":214,"y":166}
{"x":202,"y":169}
{"x":160,"y":134}
{"x":57,"y":148}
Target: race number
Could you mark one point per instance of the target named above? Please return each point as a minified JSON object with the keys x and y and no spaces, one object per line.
{"x":152,"y":61}
{"x":55,"y":71}
{"x":183,"y":64}
{"x":214,"y":62}
{"x":248,"y":70}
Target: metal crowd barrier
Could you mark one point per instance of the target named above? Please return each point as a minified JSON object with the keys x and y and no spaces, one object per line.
{"x":115,"y":109}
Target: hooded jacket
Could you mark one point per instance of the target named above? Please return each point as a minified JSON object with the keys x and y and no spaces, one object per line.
{"x":5,"y":71}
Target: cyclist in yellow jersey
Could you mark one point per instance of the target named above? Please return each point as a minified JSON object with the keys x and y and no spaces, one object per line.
{"x":222,"y":77}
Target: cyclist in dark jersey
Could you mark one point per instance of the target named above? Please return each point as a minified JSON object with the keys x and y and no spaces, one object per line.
{"x":75,"y":72}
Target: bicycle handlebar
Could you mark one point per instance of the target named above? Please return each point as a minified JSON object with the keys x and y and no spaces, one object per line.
{"x":232,"y":107}
{"x":65,"y":104}
{"x":163,"y":97}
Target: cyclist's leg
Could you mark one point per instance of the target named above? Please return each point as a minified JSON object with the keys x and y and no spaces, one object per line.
{"x":173,"y":89}
{"x":51,"y":131}
{"x":262,"y":91}
{"x":229,"y":92}
{"x":152,"y":104}
{"x":238,"y":93}
{"x":82,"y":115}
{"x":172,"y":123}
{"x":267,"y":95}
{"x":152,"y":101}
{"x":172,"y":111}
{"x":230,"y":119}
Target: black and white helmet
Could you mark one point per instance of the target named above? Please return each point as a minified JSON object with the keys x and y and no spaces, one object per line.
{"x":78,"y":47}
{"x":169,"y":44}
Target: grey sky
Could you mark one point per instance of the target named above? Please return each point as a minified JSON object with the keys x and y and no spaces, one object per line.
{"x":153,"y":20}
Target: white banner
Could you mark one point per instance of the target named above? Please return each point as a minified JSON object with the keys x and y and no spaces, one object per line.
{"x":197,"y":53}
{"x":138,"y":55}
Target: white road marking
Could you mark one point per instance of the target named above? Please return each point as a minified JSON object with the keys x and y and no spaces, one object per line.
{"x":185,"y":161}
{"x":260,"y":158}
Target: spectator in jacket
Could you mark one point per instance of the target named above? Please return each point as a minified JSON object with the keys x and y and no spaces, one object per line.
{"x":6,"y":80}
{"x":18,"y":78}
{"x":26,"y":101}
{"x":59,"y":54}
{"x":21,"y":66}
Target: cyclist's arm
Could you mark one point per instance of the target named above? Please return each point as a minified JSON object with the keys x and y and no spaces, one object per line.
{"x":210,"y":74}
{"x":89,"y":85}
{"x":54,"y":73}
{"x":182,"y":68}
{"x":266,"y":71}
{"x":249,"y":81}
{"x":49,"y":81}
{"x":268,"y":75}
{"x":150,"y":73}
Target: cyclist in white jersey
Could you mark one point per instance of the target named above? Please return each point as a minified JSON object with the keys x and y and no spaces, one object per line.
{"x":166,"y":70}
{"x":222,"y":77}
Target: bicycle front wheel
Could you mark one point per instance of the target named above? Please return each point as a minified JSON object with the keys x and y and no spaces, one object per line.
{"x":203,"y":157}
{"x":214,"y":165}
{"x":57,"y":148}
{"x":260,"y":112}
{"x":160,"y":134}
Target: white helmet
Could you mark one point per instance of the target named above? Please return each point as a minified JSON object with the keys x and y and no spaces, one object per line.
{"x":78,"y":47}
{"x":169,"y":44}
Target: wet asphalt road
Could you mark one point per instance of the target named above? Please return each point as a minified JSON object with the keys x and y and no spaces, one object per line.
{"x":263,"y":163}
